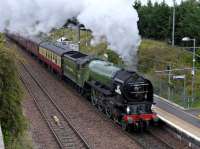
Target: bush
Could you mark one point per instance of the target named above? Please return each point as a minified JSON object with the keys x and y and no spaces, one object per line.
{"x":11,"y":115}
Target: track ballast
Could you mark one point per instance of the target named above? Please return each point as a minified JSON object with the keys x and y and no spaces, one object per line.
{"x":58,"y":122}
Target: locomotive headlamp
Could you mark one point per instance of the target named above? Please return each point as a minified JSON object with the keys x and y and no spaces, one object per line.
{"x":128,"y":110}
{"x":136,"y":89}
{"x":145,"y":96}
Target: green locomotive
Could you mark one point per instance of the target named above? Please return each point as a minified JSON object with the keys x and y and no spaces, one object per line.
{"x":123,"y":95}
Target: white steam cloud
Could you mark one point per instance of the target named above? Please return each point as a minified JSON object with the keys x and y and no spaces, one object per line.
{"x":113,"y":20}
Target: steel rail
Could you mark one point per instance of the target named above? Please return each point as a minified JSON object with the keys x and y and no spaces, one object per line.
{"x":66,"y":118}
{"x":138,"y":138}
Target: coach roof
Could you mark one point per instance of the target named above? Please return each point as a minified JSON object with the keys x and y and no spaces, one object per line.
{"x":56,"y":48}
{"x":35,"y":40}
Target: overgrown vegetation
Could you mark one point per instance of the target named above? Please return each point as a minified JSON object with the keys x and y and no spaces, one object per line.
{"x":157,"y":56}
{"x":11,"y":116}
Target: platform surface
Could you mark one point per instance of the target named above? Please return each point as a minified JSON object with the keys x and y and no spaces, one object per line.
{"x":178,"y":117}
{"x":178,"y":112}
{"x":195,"y":112}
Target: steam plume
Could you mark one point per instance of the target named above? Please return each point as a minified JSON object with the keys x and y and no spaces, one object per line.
{"x":114,"y":20}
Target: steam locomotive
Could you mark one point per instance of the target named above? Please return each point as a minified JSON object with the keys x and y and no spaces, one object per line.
{"x":122,"y":95}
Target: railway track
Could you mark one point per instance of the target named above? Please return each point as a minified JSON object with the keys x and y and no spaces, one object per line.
{"x":58,"y":122}
{"x":150,"y":141}
{"x":146,"y":140}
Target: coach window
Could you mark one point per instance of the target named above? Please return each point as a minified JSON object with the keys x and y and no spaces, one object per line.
{"x":56,"y":59}
{"x":40,"y":51}
{"x":59,"y":61}
{"x":50,"y":55}
{"x":53,"y":59}
{"x":43,"y":52}
{"x":46,"y":54}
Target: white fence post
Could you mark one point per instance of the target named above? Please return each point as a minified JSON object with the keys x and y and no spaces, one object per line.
{"x":1,"y":140}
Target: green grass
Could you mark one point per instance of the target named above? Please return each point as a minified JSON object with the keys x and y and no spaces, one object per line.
{"x":155,"y":56}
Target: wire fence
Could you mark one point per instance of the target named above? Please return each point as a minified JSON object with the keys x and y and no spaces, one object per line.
{"x":176,"y":86}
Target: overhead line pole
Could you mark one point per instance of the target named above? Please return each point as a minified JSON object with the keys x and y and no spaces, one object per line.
{"x":193,"y":69}
{"x":173,"y":25}
{"x":169,"y":82}
{"x":79,"y":37}
{"x":193,"y":64}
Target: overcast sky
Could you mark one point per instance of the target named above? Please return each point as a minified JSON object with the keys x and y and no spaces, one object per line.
{"x":170,"y":2}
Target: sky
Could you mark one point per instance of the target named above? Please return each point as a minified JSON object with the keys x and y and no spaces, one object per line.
{"x":170,"y":2}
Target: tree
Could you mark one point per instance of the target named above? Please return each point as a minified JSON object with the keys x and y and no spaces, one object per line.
{"x":137,"y":5}
{"x":189,"y":20}
{"x":155,"y":20}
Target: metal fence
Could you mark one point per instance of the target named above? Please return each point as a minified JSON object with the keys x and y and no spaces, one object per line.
{"x":175,"y":87}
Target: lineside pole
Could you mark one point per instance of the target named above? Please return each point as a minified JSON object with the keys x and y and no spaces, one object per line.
{"x":174,"y":21}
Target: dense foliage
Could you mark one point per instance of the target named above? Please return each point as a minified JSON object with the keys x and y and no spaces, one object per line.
{"x":156,"y":20}
{"x":11,"y":115}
